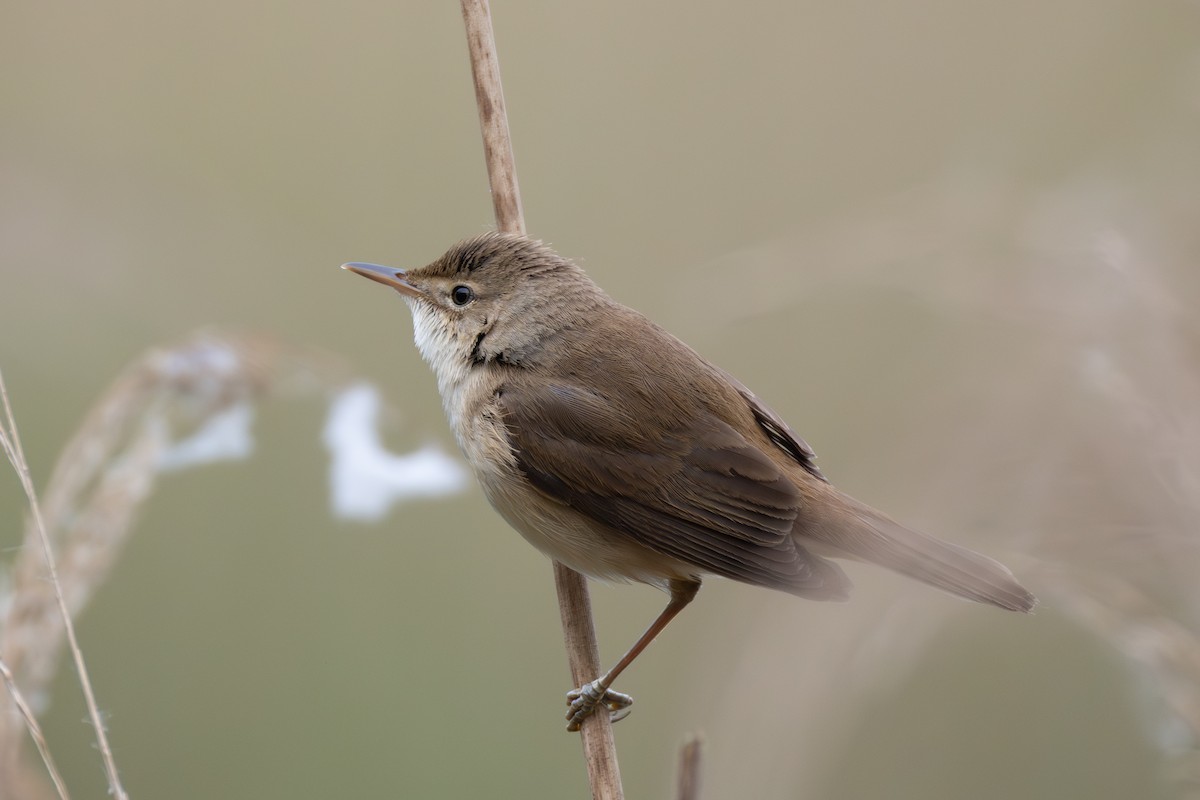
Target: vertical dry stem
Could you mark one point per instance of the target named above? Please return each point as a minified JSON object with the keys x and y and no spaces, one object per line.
{"x":162,"y":404}
{"x":12,"y":448}
{"x":599,"y":748}
{"x":689,"y":769}
{"x":35,"y":730}
{"x":493,"y":117}
{"x":583,"y":654}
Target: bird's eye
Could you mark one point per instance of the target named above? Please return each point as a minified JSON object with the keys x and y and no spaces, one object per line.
{"x":461,"y":295}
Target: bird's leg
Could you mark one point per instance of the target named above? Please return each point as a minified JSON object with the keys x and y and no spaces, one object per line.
{"x":586,"y":698}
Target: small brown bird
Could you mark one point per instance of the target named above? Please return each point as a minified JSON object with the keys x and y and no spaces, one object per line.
{"x":616,"y":449}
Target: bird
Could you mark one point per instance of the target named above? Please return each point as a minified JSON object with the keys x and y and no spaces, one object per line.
{"x":616,"y":449}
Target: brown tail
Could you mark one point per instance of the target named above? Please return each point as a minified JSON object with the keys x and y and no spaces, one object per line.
{"x":864,"y":534}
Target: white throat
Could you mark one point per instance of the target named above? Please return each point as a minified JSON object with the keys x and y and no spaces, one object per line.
{"x":443,"y":353}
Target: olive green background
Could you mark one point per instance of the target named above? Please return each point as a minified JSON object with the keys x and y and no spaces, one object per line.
{"x":955,"y":244}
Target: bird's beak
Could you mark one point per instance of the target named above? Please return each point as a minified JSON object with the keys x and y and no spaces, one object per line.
{"x":388,"y":276}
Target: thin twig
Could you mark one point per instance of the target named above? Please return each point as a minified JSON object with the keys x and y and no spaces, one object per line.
{"x":12,"y":448}
{"x":689,"y":768}
{"x":579,"y":634}
{"x":35,"y":730}
{"x":493,"y":117}
{"x":583,"y":654}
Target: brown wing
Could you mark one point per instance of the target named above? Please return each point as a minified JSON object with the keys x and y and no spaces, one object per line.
{"x":778,"y":431}
{"x":691,"y":488}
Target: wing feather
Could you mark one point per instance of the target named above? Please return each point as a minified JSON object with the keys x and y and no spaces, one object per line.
{"x":688,"y":487}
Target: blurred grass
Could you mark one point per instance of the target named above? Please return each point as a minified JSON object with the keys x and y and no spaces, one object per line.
{"x":906,"y":229}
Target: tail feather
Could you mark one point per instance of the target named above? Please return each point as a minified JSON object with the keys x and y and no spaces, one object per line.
{"x":864,"y":534}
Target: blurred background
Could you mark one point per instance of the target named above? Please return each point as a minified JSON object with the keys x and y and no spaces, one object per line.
{"x":954,"y":244}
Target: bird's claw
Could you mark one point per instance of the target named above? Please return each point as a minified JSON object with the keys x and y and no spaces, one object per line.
{"x":586,"y":698}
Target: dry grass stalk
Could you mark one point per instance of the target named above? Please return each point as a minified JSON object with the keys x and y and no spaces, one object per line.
{"x":1076,"y":458}
{"x":689,"y":768}
{"x":583,"y":657}
{"x":11,"y":441}
{"x":579,"y":634}
{"x":96,"y":490}
{"x":1162,"y":649}
{"x":493,"y":117}
{"x":35,"y":730}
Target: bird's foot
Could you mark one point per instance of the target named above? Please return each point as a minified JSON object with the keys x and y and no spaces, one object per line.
{"x":586,"y":698}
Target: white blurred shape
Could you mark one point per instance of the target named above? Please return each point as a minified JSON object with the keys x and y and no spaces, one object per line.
{"x":224,"y":437}
{"x":366,"y":479}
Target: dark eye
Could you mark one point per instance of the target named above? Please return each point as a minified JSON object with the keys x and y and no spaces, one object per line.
{"x":461,"y":295}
